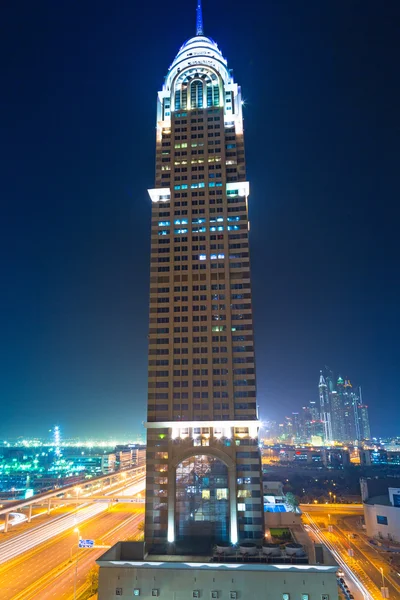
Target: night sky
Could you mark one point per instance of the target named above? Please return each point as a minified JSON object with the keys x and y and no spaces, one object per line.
{"x":78,"y":97}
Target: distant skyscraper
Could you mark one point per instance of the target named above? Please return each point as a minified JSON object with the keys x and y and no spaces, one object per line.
{"x":203,"y":460}
{"x":325,"y":407}
{"x":363,"y":420}
{"x":347,"y":414}
{"x":350,"y":400}
{"x":336,"y":415}
{"x":314,"y":412}
{"x":296,"y":425}
{"x":365,"y":431}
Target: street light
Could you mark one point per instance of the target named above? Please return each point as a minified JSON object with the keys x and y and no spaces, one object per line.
{"x":77,"y":491}
{"x":76,"y":530}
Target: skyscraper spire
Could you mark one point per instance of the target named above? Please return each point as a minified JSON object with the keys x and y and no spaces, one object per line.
{"x":199,"y":19}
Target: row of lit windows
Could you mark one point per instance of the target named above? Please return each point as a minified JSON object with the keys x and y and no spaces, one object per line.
{"x":202,"y":211}
{"x":198,"y":120}
{"x":205,"y":406}
{"x":203,"y":238}
{"x":200,"y":372}
{"x":200,"y":220}
{"x":195,"y":247}
{"x":201,"y":383}
{"x":203,"y":361}
{"x":166,"y":212}
{"x":215,"y":350}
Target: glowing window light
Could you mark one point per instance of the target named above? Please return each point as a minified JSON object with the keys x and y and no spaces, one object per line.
{"x":221,"y":255}
{"x":237,"y":218}
{"x":164,"y":232}
{"x":213,"y":257}
{"x":233,"y":227}
{"x":202,"y":257}
{"x":164,"y":223}
{"x":180,"y":231}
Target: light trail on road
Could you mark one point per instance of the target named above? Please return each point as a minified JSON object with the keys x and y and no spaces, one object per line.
{"x":343,"y":564}
{"x":48,"y":571}
{"x":15,"y":519}
{"x":28,"y":540}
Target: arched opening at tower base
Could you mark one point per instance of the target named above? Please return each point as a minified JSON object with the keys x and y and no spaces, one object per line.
{"x":202,"y":499}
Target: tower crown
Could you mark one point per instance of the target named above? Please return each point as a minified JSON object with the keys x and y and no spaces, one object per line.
{"x":198,"y":55}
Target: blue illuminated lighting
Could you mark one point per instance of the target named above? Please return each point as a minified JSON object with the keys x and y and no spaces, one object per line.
{"x":220,"y":219}
{"x":164,"y":232}
{"x":221,"y":255}
{"x":212,"y":184}
{"x":199,"y":19}
{"x":202,"y":257}
{"x":164,"y":223}
{"x":181,"y":222}
{"x":177,"y":231}
{"x":233,"y":227}
{"x":213,"y":256}
{"x":233,"y":219}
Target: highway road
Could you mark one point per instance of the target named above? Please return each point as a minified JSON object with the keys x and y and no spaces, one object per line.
{"x":364,"y":563}
{"x":348,"y":509}
{"x":47,"y":572}
{"x":17,"y":545}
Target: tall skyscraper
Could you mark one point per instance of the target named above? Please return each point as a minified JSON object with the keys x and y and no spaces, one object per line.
{"x":365,"y":432}
{"x":203,"y":460}
{"x":363,"y":418}
{"x":325,"y":407}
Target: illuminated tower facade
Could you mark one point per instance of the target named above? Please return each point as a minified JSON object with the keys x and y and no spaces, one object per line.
{"x":203,"y":459}
{"x":325,"y":406}
{"x":365,"y":431}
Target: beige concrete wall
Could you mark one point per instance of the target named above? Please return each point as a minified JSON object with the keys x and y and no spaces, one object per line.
{"x":181,"y":584}
{"x":281,"y":519}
